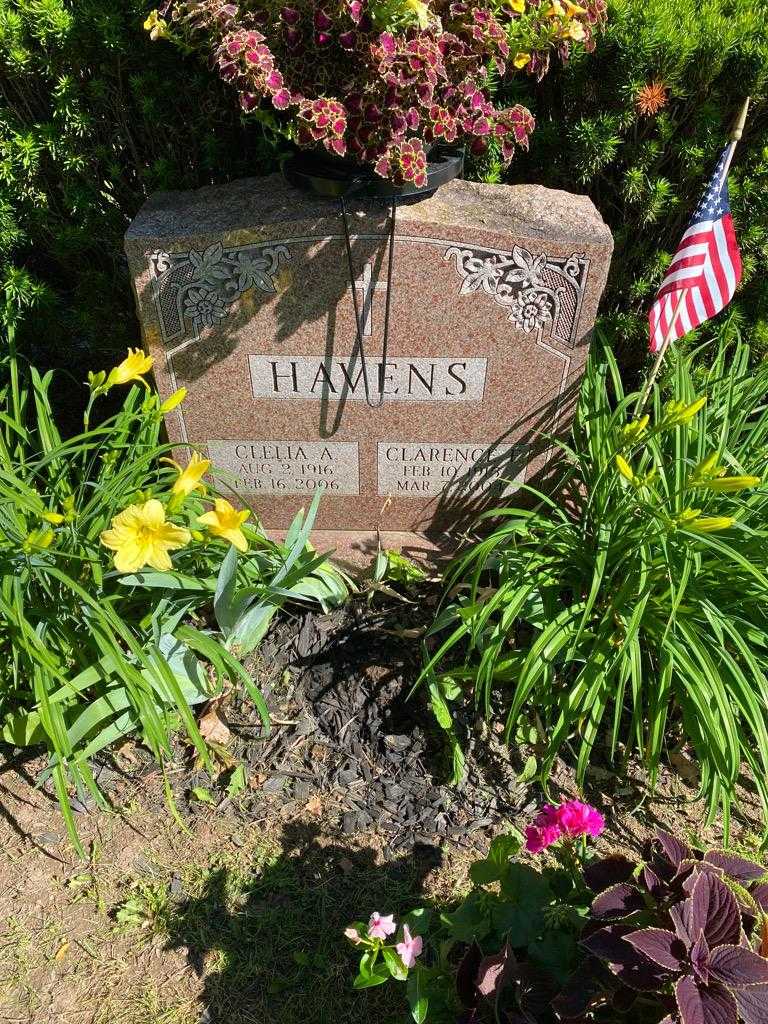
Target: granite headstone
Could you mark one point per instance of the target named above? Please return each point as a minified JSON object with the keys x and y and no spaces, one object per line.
{"x":244,"y":298}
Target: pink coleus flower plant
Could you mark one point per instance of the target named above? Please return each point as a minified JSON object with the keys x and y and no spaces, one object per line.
{"x":568,"y":821}
{"x":319,"y":70}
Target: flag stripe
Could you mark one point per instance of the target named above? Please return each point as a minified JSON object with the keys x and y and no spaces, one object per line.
{"x":705,"y":270}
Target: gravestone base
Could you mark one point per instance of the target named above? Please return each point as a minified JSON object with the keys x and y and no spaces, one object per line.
{"x":355,"y":550}
{"x":244,"y":298}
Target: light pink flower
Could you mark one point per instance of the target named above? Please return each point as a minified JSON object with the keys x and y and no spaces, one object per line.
{"x":353,"y":935}
{"x":579,"y":819}
{"x":380,"y":927}
{"x":410,"y":947}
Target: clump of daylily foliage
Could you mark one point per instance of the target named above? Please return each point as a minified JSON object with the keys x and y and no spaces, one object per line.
{"x":383,"y":80}
{"x":133,"y":588}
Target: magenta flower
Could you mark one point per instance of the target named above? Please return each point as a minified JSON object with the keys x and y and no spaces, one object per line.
{"x":578,"y":819}
{"x":569,"y":820}
{"x":380,"y":927}
{"x":534,"y":840}
{"x":410,"y":947}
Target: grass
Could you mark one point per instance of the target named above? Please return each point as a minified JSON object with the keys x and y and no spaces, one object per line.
{"x":244,"y":921}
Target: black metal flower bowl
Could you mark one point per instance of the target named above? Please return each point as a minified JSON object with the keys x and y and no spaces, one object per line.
{"x":333,"y":177}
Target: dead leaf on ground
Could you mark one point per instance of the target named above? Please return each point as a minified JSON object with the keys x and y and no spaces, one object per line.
{"x":314,"y":806}
{"x":211,"y":727}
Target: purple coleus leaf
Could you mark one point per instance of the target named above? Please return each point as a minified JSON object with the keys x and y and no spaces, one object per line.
{"x":712,"y":908}
{"x":675,"y":851}
{"x":628,"y":964}
{"x":466,"y":973}
{"x":738,"y":868}
{"x":602,"y":874}
{"x":704,"y":1004}
{"x":760,"y":896}
{"x":700,"y":958}
{"x":663,"y":947}
{"x":617,"y":902}
{"x":495,"y":971}
{"x":753,"y":1004}
{"x":738,"y":967}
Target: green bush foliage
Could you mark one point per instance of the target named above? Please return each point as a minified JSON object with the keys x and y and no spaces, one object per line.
{"x":645,"y":171}
{"x":93,"y":118}
{"x":629,"y":617}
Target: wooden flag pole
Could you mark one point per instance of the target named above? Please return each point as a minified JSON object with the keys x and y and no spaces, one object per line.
{"x":661,"y":353}
{"x":736,"y":132}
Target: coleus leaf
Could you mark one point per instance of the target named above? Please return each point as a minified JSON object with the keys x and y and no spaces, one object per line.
{"x":674,"y":850}
{"x":576,"y":996}
{"x":602,"y":874}
{"x":617,"y":902}
{"x":700,"y":958}
{"x":466,"y":973}
{"x":738,"y":868}
{"x":690,"y":870}
{"x":753,"y":1004}
{"x":653,"y":883}
{"x":495,"y":971}
{"x":536,"y":988}
{"x":760,"y":896}
{"x":738,"y":967}
{"x":629,"y":965}
{"x":712,"y":908}
{"x":704,"y":1004}
{"x":663,"y":947}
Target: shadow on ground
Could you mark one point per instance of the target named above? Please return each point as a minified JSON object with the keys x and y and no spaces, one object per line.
{"x":269,"y":942}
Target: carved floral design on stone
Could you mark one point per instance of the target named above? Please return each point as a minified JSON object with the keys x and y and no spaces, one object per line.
{"x":196,"y":289}
{"x":531,"y":309}
{"x":536,"y":290}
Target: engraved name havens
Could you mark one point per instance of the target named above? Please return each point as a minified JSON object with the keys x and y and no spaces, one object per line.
{"x":400,"y":378}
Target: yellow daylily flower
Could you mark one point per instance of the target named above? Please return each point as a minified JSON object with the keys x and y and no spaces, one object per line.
{"x":731,"y":484}
{"x":132,"y":367}
{"x":679,"y":412}
{"x":625,"y":469}
{"x":38,"y":540}
{"x":190,"y":478}
{"x":572,"y":9}
{"x":711,"y":524}
{"x":576,"y":31}
{"x":634,"y":430}
{"x":225,"y":521}
{"x":555,"y":10}
{"x":155,"y":25}
{"x":420,"y":10}
{"x":518,"y":6}
{"x":176,"y":399}
{"x":521,"y":59}
{"x":141,"y":536}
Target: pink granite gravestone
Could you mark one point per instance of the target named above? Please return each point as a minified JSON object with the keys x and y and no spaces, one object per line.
{"x":244,"y":299}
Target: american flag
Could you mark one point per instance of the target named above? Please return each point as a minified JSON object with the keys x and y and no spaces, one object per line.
{"x":706,"y":267}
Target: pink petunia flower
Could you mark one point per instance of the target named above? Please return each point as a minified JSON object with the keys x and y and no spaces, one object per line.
{"x":579,"y":819}
{"x":380,"y":927}
{"x":410,"y":947}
